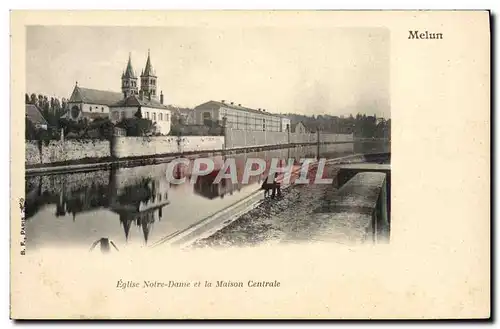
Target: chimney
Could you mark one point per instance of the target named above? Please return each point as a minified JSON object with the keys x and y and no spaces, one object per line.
{"x":239,"y":104}
{"x":223,"y":101}
{"x":161,"y":97}
{"x":232,"y":103}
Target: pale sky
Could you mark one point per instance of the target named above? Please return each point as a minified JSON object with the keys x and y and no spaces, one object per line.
{"x":334,"y":71}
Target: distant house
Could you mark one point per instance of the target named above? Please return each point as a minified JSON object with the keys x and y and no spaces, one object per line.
{"x":186,"y":115}
{"x":151,"y":109}
{"x":90,"y":103}
{"x":299,"y":128}
{"x":34,"y":115}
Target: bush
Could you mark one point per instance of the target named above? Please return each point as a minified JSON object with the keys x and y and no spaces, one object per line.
{"x":30,"y":132}
{"x":137,"y":127}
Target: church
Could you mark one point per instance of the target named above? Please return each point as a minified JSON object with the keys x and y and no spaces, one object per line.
{"x":93,"y":103}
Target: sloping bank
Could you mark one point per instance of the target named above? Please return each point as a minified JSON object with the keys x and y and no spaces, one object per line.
{"x":256,"y":220}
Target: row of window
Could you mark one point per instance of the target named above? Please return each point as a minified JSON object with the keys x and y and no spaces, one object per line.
{"x":242,"y":124}
{"x":255,"y":127}
{"x":97,"y":109}
{"x":150,"y":116}
{"x":249,"y":115}
{"x":146,"y":81}
{"x":133,"y":83}
{"x":252,"y":117}
{"x":160,"y":116}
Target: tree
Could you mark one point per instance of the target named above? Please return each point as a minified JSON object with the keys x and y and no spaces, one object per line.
{"x":138,"y":114}
{"x":136,"y":127}
{"x":46,"y":104}
{"x":52,"y":106}
{"x":64,"y":104}
{"x":30,"y":130}
{"x":27,"y":99}
{"x":33,"y":99}
{"x":57,"y":107}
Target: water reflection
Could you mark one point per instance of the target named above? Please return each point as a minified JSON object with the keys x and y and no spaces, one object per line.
{"x":123,"y":204}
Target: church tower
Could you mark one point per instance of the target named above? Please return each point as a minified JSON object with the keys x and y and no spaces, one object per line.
{"x":129,"y":80}
{"x":148,"y":80}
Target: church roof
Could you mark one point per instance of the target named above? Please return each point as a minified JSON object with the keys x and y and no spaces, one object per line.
{"x":129,"y":71}
{"x":94,"y":96}
{"x":148,"y":70}
{"x":34,"y":115}
{"x":135,"y":101}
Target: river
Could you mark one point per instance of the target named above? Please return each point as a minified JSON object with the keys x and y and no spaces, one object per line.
{"x":138,"y":206}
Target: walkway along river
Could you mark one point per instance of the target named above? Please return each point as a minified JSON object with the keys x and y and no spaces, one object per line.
{"x":136,"y":206}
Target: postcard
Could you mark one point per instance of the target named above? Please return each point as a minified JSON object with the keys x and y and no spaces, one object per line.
{"x":250,"y":165}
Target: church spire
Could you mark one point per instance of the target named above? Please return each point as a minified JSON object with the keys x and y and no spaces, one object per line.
{"x":148,"y":70}
{"x":129,"y":71}
{"x":129,"y":79}
{"x":148,"y":79}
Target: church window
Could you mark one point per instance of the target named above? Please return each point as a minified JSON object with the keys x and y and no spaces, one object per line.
{"x":102,"y":109}
{"x":154,"y":116}
{"x":161,"y":117}
{"x":167,"y":117}
{"x":147,"y":115}
{"x":90,"y":108}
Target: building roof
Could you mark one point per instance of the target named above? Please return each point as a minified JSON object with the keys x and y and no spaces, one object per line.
{"x":184,"y":111}
{"x":293,"y":126}
{"x":135,"y":101}
{"x":129,"y":71}
{"x":148,"y":70}
{"x":237,"y":107}
{"x":94,"y":96}
{"x":34,"y":114}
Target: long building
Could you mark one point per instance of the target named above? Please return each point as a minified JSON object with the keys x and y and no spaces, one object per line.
{"x":239,"y":117}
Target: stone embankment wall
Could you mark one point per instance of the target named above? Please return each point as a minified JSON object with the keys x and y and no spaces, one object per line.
{"x":242,"y":138}
{"x":123,"y":147}
{"x":38,"y":152}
